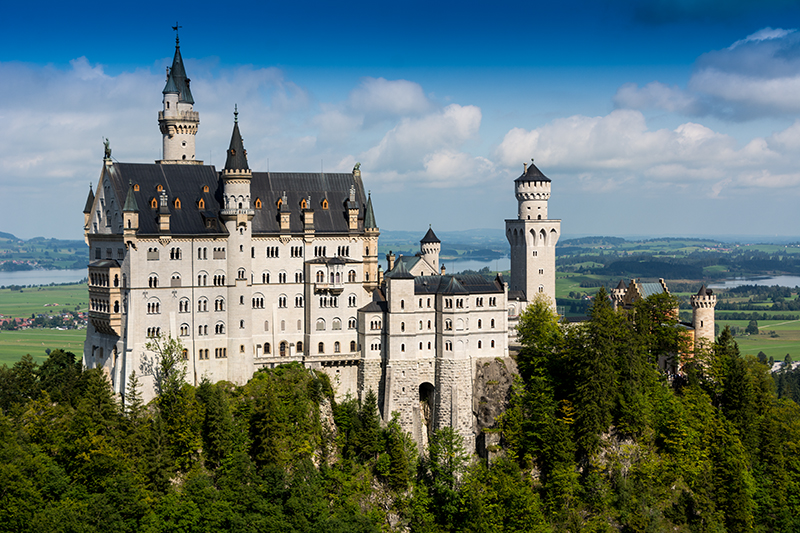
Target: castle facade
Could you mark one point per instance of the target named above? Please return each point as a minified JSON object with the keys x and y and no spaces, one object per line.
{"x":254,"y":269}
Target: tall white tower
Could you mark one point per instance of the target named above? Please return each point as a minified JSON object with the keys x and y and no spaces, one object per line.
{"x":178,"y":120}
{"x":533,"y":237}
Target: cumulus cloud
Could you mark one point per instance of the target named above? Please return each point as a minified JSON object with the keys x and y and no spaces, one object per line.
{"x":754,"y":77}
{"x":383,"y":97}
{"x":608,"y":151}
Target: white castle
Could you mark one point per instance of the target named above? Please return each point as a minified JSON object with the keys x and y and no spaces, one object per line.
{"x":255,"y":269}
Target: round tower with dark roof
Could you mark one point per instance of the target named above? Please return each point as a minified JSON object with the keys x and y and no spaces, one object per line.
{"x":178,"y":120}
{"x":430,"y":246}
{"x":533,"y":237}
{"x":703,"y":306}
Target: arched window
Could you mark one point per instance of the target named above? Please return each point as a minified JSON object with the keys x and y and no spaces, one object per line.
{"x":352,"y":323}
{"x":336,"y":347}
{"x":177,"y":203}
{"x":429,"y":324}
{"x":448,"y":324}
{"x":282,"y":348}
{"x":241,"y":324}
{"x":479,"y":323}
{"x":420,"y":325}
{"x":492,"y":323}
{"x":266,"y":325}
{"x":320,"y":276}
{"x":492,"y":344}
{"x":352,"y":346}
{"x":267,"y":349}
{"x":402,"y":304}
{"x":480,"y":345}
{"x":351,"y":276}
{"x":337,"y":324}
{"x":299,"y":346}
{"x":402,"y":326}
{"x":320,"y":325}
{"x":402,"y":347}
{"x":153,"y":203}
{"x":324,"y":203}
{"x":321,"y":347}
{"x":258,"y":203}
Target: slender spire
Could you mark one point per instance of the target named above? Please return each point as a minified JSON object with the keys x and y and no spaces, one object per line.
{"x":177,"y":82}
{"x":89,"y":201}
{"x":237,"y":155}
{"x":369,"y":214}
{"x":130,"y":201}
{"x":430,"y":236}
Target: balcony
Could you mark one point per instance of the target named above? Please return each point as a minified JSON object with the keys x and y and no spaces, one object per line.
{"x":330,"y":288}
{"x":236,"y":212}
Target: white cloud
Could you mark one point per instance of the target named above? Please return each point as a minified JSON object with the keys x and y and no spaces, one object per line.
{"x":656,"y":95}
{"x":383,"y":97}
{"x":607,"y":151}
{"x":754,"y":77}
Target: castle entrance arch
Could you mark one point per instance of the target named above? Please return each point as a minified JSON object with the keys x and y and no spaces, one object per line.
{"x":427,"y":393}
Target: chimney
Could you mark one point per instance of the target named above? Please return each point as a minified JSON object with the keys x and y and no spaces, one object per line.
{"x":442,"y":269}
{"x":524,"y":168}
{"x":390,"y":260}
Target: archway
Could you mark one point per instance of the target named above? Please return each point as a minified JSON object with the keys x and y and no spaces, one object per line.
{"x":427,"y":395}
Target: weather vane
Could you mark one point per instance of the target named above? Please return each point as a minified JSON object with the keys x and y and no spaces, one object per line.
{"x":175,"y":27}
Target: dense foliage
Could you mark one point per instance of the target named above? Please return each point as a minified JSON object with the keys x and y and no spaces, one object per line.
{"x":595,"y":438}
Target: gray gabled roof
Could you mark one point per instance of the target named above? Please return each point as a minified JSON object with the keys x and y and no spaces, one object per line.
{"x":457,"y":284}
{"x":532,"y":173}
{"x":649,"y":289}
{"x":399,"y":271}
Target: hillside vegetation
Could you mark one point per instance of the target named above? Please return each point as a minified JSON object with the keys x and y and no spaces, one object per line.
{"x":594,"y":438}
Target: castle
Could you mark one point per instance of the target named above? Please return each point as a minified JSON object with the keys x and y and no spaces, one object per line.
{"x":254,"y":269}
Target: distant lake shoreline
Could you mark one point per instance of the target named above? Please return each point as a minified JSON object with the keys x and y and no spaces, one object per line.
{"x":766,"y":281}
{"x":42,"y":277}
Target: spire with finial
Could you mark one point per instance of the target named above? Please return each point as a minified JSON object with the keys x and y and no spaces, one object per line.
{"x":369,"y":214}
{"x":130,"y":201}
{"x":177,"y":82}
{"x":89,"y":201}
{"x":237,"y":156}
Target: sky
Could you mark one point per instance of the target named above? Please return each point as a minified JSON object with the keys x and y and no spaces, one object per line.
{"x":665,"y":117}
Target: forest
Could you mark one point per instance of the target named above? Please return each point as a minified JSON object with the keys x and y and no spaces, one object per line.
{"x":595,"y":437}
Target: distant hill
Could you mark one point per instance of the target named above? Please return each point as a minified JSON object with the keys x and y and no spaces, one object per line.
{"x":40,"y":253}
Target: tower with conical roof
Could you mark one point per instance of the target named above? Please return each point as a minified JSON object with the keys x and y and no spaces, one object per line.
{"x":371,"y":234}
{"x":429,"y":247}
{"x":178,"y":120}
{"x":533,"y":237}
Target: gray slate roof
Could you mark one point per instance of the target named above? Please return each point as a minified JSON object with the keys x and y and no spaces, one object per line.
{"x":430,"y":237}
{"x":532,"y":174}
{"x":177,"y":82}
{"x":187,"y":181}
{"x":649,"y":289}
{"x":89,"y":202}
{"x":457,"y":284}
{"x":237,"y":157}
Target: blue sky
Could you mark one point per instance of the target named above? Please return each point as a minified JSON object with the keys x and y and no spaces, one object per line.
{"x":671,"y":117}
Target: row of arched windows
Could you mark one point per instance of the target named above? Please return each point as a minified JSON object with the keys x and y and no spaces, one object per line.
{"x":175,"y":254}
{"x":272,"y":251}
{"x":153,"y":332}
{"x":329,"y":301}
{"x":153,"y":308}
{"x":343,"y":251}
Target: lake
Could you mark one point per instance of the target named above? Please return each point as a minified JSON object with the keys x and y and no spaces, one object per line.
{"x":41,"y":277}
{"x":782,"y":281}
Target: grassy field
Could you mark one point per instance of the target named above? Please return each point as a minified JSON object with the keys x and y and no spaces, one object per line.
{"x":15,"y":344}
{"x":26,"y":302}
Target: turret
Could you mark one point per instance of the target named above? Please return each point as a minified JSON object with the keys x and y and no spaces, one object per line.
{"x":532,"y":190}
{"x":429,"y":248}
{"x":130,"y":213}
{"x":703,"y":305}
{"x":372,"y":271}
{"x":87,"y":209}
{"x":236,"y":179}
{"x":177,"y":120}
{"x":618,"y":294}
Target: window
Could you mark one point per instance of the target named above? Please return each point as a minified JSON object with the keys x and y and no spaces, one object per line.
{"x":337,"y":324}
{"x":153,"y":282}
{"x":541,"y":288}
{"x":402,"y":326}
{"x":175,"y":281}
{"x":480,"y":345}
{"x":479,"y":323}
{"x":282,"y":301}
{"x":240,"y":274}
{"x":320,"y":325}
{"x":265,"y":277}
{"x":493,"y":301}
{"x":219,"y":280}
{"x":184,"y":330}
{"x":241,"y":348}
{"x":541,"y":271}
{"x":298,"y":301}
{"x":258,"y":302}
{"x":429,"y":345}
{"x":258,"y":203}
{"x":267,"y":349}
{"x":183,"y":305}
{"x":320,"y":276}
{"x":448,"y":345}
{"x":352,"y":323}
{"x":220,"y":353}
{"x":351,"y":276}
{"x":219,"y":329}
{"x":153,"y":308}
{"x":298,"y":277}
{"x":282,"y":277}
{"x":153,"y":203}
{"x":241,"y":324}
{"x":402,"y":304}
{"x":266,"y":325}
{"x":321,"y":347}
{"x":202,"y":280}
{"x":448,"y":325}
{"x":352,"y":346}
{"x":420,"y":325}
{"x":283,"y":325}
{"x":429,"y":303}
{"x":201,"y":204}
{"x":535,"y":253}
{"x":219,"y":304}
{"x":324,"y":203}
{"x":492,"y":344}
{"x":299,"y":346}
{"x":429,"y":324}
{"x":492,"y":323}
{"x":336,"y":347}
{"x":177,"y":203}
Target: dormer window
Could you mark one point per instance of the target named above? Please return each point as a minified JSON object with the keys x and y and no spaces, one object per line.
{"x":136,"y":187}
{"x":153,"y":203}
{"x":177,"y":203}
{"x":201,"y":204}
{"x":159,"y":187}
{"x":258,"y":203}
{"x":303,"y":204}
{"x":324,"y":203}
{"x":280,"y":202}
{"x":205,"y":188}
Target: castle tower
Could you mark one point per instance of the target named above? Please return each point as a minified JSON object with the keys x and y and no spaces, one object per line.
{"x":618,"y":294}
{"x":703,"y":304}
{"x":429,"y":248}
{"x":177,"y":120}
{"x":533,"y":237}
{"x":371,"y":232}
{"x":237,"y":214}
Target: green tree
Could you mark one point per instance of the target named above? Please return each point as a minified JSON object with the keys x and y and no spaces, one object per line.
{"x":446,"y":464}
{"x":752,"y":328}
